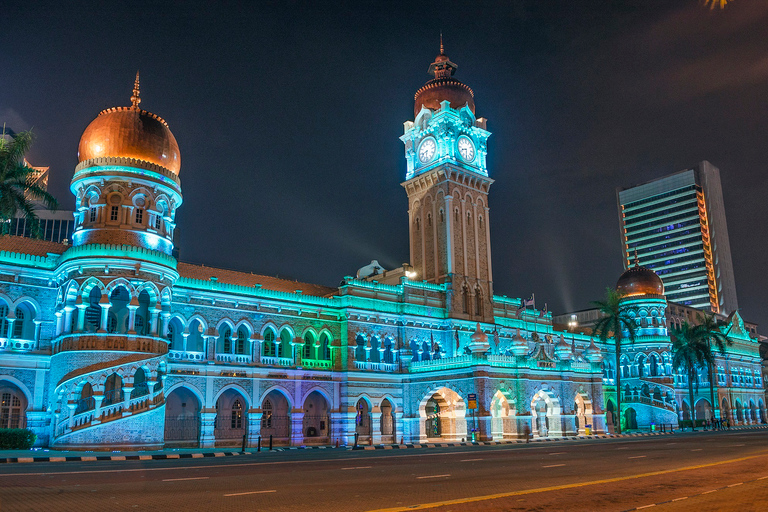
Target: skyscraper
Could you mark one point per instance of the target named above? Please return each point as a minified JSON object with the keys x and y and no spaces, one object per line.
{"x":676,"y":226}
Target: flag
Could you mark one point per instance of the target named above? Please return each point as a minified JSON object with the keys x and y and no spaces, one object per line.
{"x":543,"y":311}
{"x":527,"y":302}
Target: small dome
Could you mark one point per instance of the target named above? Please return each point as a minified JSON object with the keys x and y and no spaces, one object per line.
{"x":639,"y":280}
{"x":443,"y":87}
{"x":129,"y":132}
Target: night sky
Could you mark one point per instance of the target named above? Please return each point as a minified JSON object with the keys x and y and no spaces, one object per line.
{"x":288,"y":116}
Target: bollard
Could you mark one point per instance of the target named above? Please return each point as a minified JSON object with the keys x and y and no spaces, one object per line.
{"x":355,"y":440}
{"x":258,"y":446}
{"x":242,"y":450}
{"x":270,"y":442}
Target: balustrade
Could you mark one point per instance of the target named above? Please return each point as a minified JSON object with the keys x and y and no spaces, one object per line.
{"x":379,"y":367}
{"x":181,"y":355}
{"x":233,"y":358}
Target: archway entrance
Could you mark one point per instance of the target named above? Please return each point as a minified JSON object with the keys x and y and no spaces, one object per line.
{"x":725,"y":411}
{"x":316,"y":425}
{"x":388,"y":434}
{"x":363,"y":420}
{"x":630,"y":419}
{"x":703,"y":409}
{"x":276,"y":418}
{"x":545,"y":414}
{"x":610,"y":415}
{"x":231,"y":418}
{"x":500,"y":416}
{"x":583,"y":412}
{"x":443,"y":415}
{"x":182,"y":418}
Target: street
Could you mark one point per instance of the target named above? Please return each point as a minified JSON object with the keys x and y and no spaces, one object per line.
{"x":699,"y":471}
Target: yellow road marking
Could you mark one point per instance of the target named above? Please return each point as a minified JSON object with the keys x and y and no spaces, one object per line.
{"x":475,"y":499}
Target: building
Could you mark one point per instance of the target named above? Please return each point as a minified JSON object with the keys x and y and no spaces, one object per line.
{"x":112,"y":343}
{"x":676,"y":226}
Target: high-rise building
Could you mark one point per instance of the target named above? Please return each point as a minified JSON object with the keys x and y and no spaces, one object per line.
{"x":676,"y":226}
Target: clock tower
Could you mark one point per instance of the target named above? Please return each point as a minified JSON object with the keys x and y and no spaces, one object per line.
{"x":447,"y":184}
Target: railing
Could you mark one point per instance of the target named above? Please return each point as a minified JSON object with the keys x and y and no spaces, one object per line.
{"x":223,"y":428}
{"x":180,"y":355}
{"x":182,"y":428}
{"x":277,"y":426}
{"x":640,"y":399}
{"x":277,"y":361}
{"x":14,"y":344}
{"x":378,"y":367}
{"x":233,"y":358}
{"x":318,"y":364}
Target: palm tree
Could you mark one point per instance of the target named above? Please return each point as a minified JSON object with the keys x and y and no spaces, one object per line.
{"x":16,"y":188}
{"x":712,"y":333}
{"x":690,"y":350}
{"x":716,"y":3}
{"x":615,"y":324}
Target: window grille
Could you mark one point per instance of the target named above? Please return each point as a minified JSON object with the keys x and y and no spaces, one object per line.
{"x":93,"y":215}
{"x":139,"y":215}
{"x":113,"y":214}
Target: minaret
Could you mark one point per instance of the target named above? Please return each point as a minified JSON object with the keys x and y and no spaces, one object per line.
{"x":447,"y":184}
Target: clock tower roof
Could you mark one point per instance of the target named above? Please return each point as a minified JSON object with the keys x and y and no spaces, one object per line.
{"x":443,"y":87}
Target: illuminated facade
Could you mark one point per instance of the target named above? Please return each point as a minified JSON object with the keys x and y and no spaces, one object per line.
{"x":111,"y":343}
{"x":677,"y":226}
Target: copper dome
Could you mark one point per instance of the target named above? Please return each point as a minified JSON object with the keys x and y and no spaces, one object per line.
{"x":443,"y":87}
{"x":639,"y":281}
{"x":129,"y":132}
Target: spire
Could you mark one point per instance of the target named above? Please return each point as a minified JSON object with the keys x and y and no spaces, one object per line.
{"x":637,"y":260}
{"x":442,"y":49}
{"x":135,"y":99}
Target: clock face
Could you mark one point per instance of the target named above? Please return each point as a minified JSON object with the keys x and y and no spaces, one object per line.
{"x":427,"y":150}
{"x":466,"y":149}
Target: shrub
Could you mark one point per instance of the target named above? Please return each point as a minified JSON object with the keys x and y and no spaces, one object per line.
{"x":16,"y":438}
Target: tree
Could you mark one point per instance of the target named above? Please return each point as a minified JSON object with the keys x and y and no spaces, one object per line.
{"x":712,"y":332}
{"x":615,"y":324}
{"x":690,"y":350}
{"x":16,"y":188}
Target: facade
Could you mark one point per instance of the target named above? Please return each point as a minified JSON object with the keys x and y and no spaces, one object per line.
{"x":112,"y":343}
{"x":676,"y":226}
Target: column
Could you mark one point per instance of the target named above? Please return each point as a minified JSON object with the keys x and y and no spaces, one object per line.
{"x":153,"y":323}
{"x":37,"y":330}
{"x":376,"y":426}
{"x":105,"y":305}
{"x":297,"y":427}
{"x":59,"y":322}
{"x":132,"y":316}
{"x":207,"y":435}
{"x":67,"y":327}
{"x":97,"y":398}
{"x":254,"y":427}
{"x":127,"y":390}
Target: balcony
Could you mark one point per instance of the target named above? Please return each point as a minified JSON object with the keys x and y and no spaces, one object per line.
{"x":277,"y":361}
{"x":376,"y":367}
{"x":234,"y":358}
{"x":17,"y":345}
{"x":317,"y":364}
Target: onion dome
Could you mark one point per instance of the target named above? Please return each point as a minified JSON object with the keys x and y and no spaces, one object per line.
{"x":443,"y":87}
{"x":519,"y":345}
{"x":593,"y":353}
{"x":479,"y":343}
{"x":130,"y":133}
{"x":639,"y":280}
{"x":562,"y":349}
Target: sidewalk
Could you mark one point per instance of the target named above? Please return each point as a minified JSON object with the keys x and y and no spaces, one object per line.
{"x":48,"y":455}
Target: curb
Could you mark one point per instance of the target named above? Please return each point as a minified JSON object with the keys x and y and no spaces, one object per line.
{"x":93,"y":458}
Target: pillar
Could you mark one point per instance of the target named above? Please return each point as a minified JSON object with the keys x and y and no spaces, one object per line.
{"x":297,"y":427}
{"x":207,"y":425}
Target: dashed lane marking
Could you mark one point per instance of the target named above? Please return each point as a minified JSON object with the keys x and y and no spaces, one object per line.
{"x":181,"y":479}
{"x":709,"y":492}
{"x":646,"y":506}
{"x":475,"y":499}
{"x":697,"y":450}
{"x":553,"y":466}
{"x":431,"y":476}
{"x":637,"y":457}
{"x":469,"y":460}
{"x":358,"y":467}
{"x":250,"y":492}
{"x":681,"y":499}
{"x":734,"y":485}
{"x":557,"y":453}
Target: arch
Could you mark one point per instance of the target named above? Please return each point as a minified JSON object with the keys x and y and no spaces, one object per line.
{"x":443,"y":414}
{"x":121,"y":282}
{"x":316,"y":425}
{"x":545,"y":411}
{"x":703,"y":409}
{"x":309,"y":350}
{"x":501,"y":408}
{"x":286,"y":394}
{"x":197,"y":328}
{"x":630,"y":419}
{"x":236,"y":387}
{"x":140,"y":384}
{"x":363,"y":427}
{"x":153,"y":292}
{"x":276,"y":415}
{"x":13,"y":404}
{"x":225,"y":329}
{"x":175,"y":333}
{"x":584,"y":410}
{"x":387,"y":422}
{"x":25,"y":312}
{"x":231,"y":422}
{"x":89,"y":284}
{"x":183,"y":405}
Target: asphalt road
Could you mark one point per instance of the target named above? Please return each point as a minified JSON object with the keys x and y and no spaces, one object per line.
{"x":701,"y":471}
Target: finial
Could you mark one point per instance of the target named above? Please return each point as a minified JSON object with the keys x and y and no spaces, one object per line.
{"x":442,"y":50}
{"x":637,"y":261}
{"x":135,"y":99}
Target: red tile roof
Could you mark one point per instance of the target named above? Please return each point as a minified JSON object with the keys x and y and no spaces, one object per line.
{"x":23,"y":245}
{"x":248,"y":279}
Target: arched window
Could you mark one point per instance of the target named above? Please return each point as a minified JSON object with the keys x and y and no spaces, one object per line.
{"x":417,"y":224}
{"x":465,"y":299}
{"x":11,"y":410}
{"x":241,"y":341}
{"x":86,"y":402}
{"x":171,"y":334}
{"x":113,"y":390}
{"x":478,"y":302}
{"x":266,"y":414}
{"x":325,"y":347}
{"x":237,"y":415}
{"x":456,"y":214}
{"x":309,"y":347}
{"x":18,"y":324}
{"x":269,"y":343}
{"x":140,"y":386}
{"x":469,"y":219}
{"x":284,"y":350}
{"x":226,"y":345}
{"x":139,"y":326}
{"x":360,"y":348}
{"x":3,"y":320}
{"x":119,"y":298}
{"x":442,"y":216}
{"x":92,"y":312}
